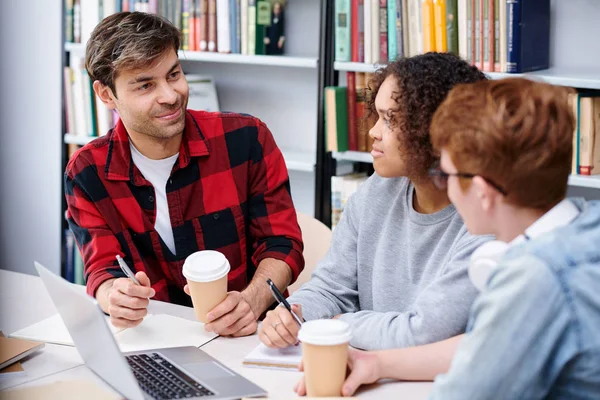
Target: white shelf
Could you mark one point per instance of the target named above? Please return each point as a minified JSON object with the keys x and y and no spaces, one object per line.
{"x":581,"y":78}
{"x":359,"y":156}
{"x":294,"y":160}
{"x":592,"y":181}
{"x":277,"y":61}
{"x":356,"y":67}
{"x":76,"y":139}
{"x":75,"y":47}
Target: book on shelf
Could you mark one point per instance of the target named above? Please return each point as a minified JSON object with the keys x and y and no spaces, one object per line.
{"x":495,"y":35}
{"x":253,"y":27}
{"x":336,"y":118}
{"x":343,"y":21}
{"x":202,"y":93}
{"x":528,"y":30}
{"x":586,"y":136}
{"x":383,"y":31}
{"x":342,"y":187}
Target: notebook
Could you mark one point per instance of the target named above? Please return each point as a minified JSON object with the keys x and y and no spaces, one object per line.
{"x":13,"y":350}
{"x":282,"y":359}
{"x":156,"y":331}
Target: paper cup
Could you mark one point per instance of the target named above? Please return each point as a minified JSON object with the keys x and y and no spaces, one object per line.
{"x":206,"y":273}
{"x":325,"y":356}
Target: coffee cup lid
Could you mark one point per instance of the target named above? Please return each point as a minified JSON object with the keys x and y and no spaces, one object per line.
{"x":325,"y":332}
{"x":205,"y":266}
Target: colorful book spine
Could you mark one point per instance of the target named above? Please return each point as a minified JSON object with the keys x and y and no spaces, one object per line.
{"x":354,"y":18}
{"x":263,"y":19}
{"x":383,"y":31}
{"x":452,"y":26}
{"x":401,"y":30}
{"x":427,"y":16}
{"x":392,"y":29}
{"x":439,"y":21}
{"x":342,"y":31}
{"x":361,"y":31}
{"x":251,"y":27}
{"x":212,"y":25}
{"x":351,"y":104}
{"x":375,"y":35}
{"x":185,"y":25}
{"x":202,"y":25}
{"x":244,"y":26}
{"x":368,"y":31}
{"x":223,"y":26}
{"x":361,"y":110}
{"x":528,"y":35}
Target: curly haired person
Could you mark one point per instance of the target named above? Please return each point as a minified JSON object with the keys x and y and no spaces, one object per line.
{"x":506,"y":149}
{"x":396,"y":270}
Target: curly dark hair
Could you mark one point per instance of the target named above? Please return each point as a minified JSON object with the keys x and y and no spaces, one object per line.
{"x":424,"y":81}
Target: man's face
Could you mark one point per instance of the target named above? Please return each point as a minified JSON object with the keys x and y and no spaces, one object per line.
{"x":152,"y":101}
{"x":387,"y":156}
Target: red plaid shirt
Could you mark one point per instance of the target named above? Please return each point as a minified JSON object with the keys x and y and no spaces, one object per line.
{"x":228,"y":191}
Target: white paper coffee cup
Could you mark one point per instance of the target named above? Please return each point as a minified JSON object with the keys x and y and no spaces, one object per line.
{"x":325,"y":356}
{"x":206,"y":273}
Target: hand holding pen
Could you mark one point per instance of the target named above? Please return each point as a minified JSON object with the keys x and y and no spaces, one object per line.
{"x":128,"y":297}
{"x":281,"y":326}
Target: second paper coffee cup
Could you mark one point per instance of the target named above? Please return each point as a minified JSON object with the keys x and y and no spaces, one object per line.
{"x":206,"y":273}
{"x":325,"y":355}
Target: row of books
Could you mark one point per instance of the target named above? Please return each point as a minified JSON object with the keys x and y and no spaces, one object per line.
{"x":347,"y":119}
{"x":253,"y":27}
{"x":85,"y":114}
{"x":73,"y":262}
{"x":495,"y":35}
{"x":586,"y":138}
{"x":342,"y":187}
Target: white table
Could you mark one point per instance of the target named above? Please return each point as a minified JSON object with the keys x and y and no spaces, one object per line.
{"x":24,"y":301}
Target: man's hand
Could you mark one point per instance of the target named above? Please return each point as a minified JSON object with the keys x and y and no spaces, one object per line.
{"x":364,"y":369}
{"x":279,"y":328}
{"x":232,"y":317}
{"x":127,"y":302}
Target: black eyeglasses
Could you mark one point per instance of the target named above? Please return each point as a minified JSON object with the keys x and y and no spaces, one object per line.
{"x":440,"y":179}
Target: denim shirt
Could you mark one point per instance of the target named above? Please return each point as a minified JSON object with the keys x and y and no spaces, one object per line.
{"x":534,"y":332}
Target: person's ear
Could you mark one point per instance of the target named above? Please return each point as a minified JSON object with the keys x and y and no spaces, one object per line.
{"x":105,"y":94}
{"x":484,"y":193}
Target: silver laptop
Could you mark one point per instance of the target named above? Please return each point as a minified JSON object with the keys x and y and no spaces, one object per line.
{"x":173,"y":373}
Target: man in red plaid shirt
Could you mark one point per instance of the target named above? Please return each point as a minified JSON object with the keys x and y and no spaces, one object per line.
{"x":167,"y":181}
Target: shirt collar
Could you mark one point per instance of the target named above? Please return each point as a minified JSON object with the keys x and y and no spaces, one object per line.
{"x":119,"y":165}
{"x":558,"y":216}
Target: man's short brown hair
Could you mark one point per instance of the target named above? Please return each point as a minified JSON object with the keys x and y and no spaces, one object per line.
{"x":127,"y":40}
{"x":516,"y":132}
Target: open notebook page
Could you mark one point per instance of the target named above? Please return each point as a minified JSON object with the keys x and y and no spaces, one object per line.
{"x":265,"y":357}
{"x":156,"y":331}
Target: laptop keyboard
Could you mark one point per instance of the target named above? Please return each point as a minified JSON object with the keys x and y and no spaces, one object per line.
{"x":162,"y":380}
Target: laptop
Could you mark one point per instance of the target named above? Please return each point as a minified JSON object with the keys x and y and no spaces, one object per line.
{"x":169,"y":373}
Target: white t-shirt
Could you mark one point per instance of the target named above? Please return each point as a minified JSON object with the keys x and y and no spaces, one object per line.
{"x":157,"y":172}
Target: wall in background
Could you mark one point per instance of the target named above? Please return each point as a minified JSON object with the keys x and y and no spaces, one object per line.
{"x":30,"y":134}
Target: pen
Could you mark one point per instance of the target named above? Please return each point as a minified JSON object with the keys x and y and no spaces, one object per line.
{"x":281,"y":300}
{"x":126,"y":270}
